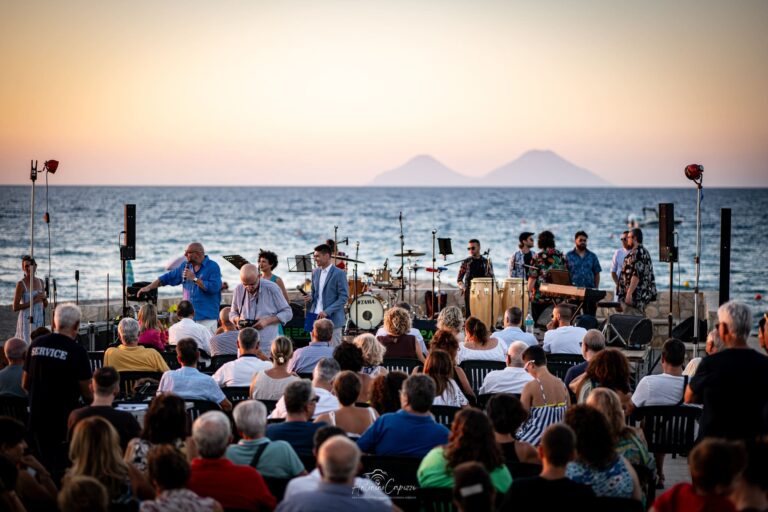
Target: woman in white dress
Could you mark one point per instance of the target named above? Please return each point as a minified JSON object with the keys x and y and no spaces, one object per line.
{"x":21,"y":301}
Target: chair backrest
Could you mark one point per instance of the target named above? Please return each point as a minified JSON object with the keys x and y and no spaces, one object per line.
{"x":393,"y":472}
{"x":270,"y":405}
{"x":435,"y":499}
{"x":612,"y":504}
{"x":559,"y":364}
{"x":444,"y":414}
{"x":237,"y":394}
{"x":219,"y":361}
{"x":668,"y":428}
{"x":309,"y":461}
{"x":523,"y":469}
{"x":171,"y":360}
{"x":129,"y":379}
{"x":477,"y":370}
{"x":16,"y":407}
{"x":96,"y":359}
{"x":401,"y":364}
{"x":647,"y":478}
{"x":200,"y":407}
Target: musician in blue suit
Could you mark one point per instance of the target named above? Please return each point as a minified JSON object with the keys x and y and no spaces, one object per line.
{"x":330,"y":291}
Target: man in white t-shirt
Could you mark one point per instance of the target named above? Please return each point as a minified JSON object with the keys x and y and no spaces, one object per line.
{"x":511,"y":379}
{"x":563,"y":338}
{"x":325,"y":371}
{"x":617,"y":262}
{"x":186,"y":327}
{"x":250,"y":361}
{"x":513,"y":318}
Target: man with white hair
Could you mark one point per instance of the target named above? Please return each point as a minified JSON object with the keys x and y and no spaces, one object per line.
{"x":275,"y":459}
{"x":338,"y":460}
{"x":10,"y":377}
{"x":325,"y":371}
{"x":732,"y":384}
{"x":513,"y":319}
{"x":592,"y":343}
{"x":57,"y":373}
{"x":130,"y":356}
{"x":250,"y":361}
{"x":511,"y":379}
{"x":215,"y":476}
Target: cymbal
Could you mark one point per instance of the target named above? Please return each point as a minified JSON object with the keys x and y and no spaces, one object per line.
{"x":345,"y":258}
{"x":409,"y":253}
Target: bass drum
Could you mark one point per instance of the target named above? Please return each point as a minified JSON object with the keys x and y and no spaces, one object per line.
{"x":366,"y":312}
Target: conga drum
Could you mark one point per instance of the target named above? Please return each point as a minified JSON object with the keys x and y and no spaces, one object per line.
{"x":485,"y":301}
{"x":512,"y":294}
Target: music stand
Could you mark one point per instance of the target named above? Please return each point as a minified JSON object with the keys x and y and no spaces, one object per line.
{"x":301,"y":263}
{"x":236,"y":260}
{"x":444,"y":245}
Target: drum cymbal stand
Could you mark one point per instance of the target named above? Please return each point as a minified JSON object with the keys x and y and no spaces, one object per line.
{"x":434,"y":266}
{"x":402,"y":260}
{"x":354,"y":277}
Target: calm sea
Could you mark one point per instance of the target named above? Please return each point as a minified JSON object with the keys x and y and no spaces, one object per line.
{"x":86,"y":223}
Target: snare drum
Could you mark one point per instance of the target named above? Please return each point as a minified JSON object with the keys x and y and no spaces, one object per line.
{"x":367,"y":312}
{"x":481,"y":303}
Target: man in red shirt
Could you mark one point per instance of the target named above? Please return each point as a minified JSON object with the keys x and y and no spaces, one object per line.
{"x":213,"y":475}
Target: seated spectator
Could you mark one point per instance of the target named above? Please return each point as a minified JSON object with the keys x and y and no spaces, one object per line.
{"x":561,"y":337}
{"x":130,"y":356}
{"x":305,"y":359}
{"x":472,"y":488}
{"x":630,"y":441}
{"x":274,"y":459}
{"x":450,"y":319}
{"x":269,"y":384}
{"x":513,"y":319}
{"x":382,"y":331}
{"x":40,"y":331}
{"x":477,"y":345}
{"x":10,"y":377}
{"x":597,"y":464}
{"x":186,"y":327}
{"x":398,"y":342}
{"x":188,"y":382}
{"x":83,"y":494}
{"x":507,"y":415}
{"x":215,"y":476}
{"x":511,"y":379}
{"x":385,"y":392}
{"x":373,"y":354}
{"x":751,"y":490}
{"x":34,"y":485}
{"x":164,"y":423}
{"x":592,"y":343}
{"x":350,"y":357}
{"x":299,"y":402}
{"x":732,"y":385}
{"x":713,"y":345}
{"x":95,"y":451}
{"x":551,"y":490}
{"x":105,"y":386}
{"x":225,"y":340}
{"x":169,"y":473}
{"x":313,"y":480}
{"x":352,"y":419}
{"x":338,"y":460}
{"x":608,"y":369}
{"x":714,"y":465}
{"x":471,"y":439}
{"x":325,"y":371}
{"x":412,"y":431}
{"x":545,"y":398}
{"x":439,"y":366}
{"x":152,"y":334}
{"x":250,"y":361}
{"x":446,"y":340}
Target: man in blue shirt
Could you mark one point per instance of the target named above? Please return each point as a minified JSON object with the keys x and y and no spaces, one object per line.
{"x":305,"y":358}
{"x":411,"y":431}
{"x":201,"y":279}
{"x":298,"y":429}
{"x":584,"y":268}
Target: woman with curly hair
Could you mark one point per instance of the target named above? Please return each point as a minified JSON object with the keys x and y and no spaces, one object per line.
{"x":444,"y":339}
{"x":548,"y":258}
{"x":451,"y":319}
{"x":609,"y":368}
{"x":507,"y":415}
{"x":166,"y":422}
{"x":373,"y":354}
{"x":385,"y":392}
{"x":471,"y":439}
{"x":477,"y":345}
{"x":270,"y":384}
{"x":439,"y":366}
{"x":398,"y":343}
{"x":267,"y":263}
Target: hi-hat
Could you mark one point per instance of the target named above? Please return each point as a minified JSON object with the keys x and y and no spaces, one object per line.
{"x":410,"y":253}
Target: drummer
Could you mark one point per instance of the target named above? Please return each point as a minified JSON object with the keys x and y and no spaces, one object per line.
{"x":476,"y":265}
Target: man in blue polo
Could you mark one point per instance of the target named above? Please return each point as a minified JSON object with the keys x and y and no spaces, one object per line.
{"x":201,"y":279}
{"x":584,"y":268}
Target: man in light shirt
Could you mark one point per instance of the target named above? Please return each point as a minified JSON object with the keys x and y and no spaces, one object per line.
{"x":511,"y":379}
{"x":563,"y":338}
{"x":305,"y":358}
{"x":513,"y":318}
{"x":322,"y":384}
{"x":618,"y":258}
{"x":330,"y":291}
{"x":250,"y":361}
{"x":187,"y":328}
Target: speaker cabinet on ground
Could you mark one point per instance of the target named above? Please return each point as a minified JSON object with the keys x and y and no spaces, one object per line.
{"x":628,"y":331}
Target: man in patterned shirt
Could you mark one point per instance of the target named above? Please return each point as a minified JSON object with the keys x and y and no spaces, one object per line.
{"x":637,"y":284}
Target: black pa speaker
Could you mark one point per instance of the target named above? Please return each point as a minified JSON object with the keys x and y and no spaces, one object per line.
{"x":667,"y":249}
{"x":628,"y":331}
{"x":129,"y":248}
{"x":684,"y":330}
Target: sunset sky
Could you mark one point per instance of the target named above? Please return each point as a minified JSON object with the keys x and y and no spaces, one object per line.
{"x":334,"y":92}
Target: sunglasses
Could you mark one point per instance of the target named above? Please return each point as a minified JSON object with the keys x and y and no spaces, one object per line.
{"x":471,"y":248}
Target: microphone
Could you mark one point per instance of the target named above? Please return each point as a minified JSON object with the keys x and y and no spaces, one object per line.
{"x":300,"y":288}
{"x":386,"y":263}
{"x":183,"y":273}
{"x":694,"y":172}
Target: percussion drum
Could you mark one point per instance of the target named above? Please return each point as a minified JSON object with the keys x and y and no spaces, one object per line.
{"x":356,"y":285}
{"x":511,"y":294}
{"x":382,"y":276}
{"x":480,"y":303}
{"x":367,"y":312}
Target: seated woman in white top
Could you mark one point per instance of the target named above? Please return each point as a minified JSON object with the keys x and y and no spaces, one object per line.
{"x":270,"y":384}
{"x":350,"y":418}
{"x":439,"y":366}
{"x":477,"y":345}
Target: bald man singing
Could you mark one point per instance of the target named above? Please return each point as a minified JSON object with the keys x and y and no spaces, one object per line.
{"x":261,"y":303}
{"x":201,"y":279}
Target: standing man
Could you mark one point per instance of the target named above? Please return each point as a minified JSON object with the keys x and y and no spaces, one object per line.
{"x":329,"y":291}
{"x":261,"y":303}
{"x":637,"y":286}
{"x":617,"y":262}
{"x":584,"y":268}
{"x":523,"y":256}
{"x":476,"y":265}
{"x":201,"y":279}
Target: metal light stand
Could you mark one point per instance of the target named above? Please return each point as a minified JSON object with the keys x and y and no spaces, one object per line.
{"x":697,"y":263}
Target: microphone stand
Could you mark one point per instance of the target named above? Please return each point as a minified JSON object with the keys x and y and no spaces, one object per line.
{"x":354,"y":275}
{"x":493,"y":293}
{"x":697,"y":261}
{"x":402,"y":260}
{"x":434,"y":266}
{"x":31,"y":289}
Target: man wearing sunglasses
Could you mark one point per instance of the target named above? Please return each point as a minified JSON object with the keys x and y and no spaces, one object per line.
{"x":476,"y":265}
